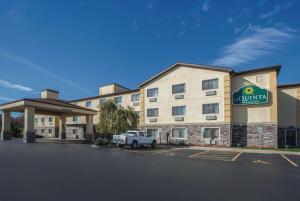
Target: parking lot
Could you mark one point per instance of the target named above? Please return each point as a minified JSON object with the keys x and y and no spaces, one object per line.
{"x":71,"y":172}
{"x":284,"y":160}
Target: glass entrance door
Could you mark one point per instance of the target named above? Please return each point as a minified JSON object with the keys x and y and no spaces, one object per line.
{"x":211,"y":136}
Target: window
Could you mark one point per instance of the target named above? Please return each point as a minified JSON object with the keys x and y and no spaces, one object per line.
{"x":210,"y":84}
{"x":50,"y":119}
{"x":118,"y":99}
{"x":75,"y":118}
{"x":152,"y":112}
{"x":42,"y":120}
{"x":153,"y":132}
{"x":88,"y":104}
{"x":42,"y":130}
{"x":50,"y":130}
{"x":178,"y":88}
{"x":178,"y":111}
{"x":35,"y":130}
{"x":152,"y":92}
{"x":135,"y":97}
{"x":211,"y":133}
{"x":179,"y":133}
{"x":102,"y":101}
{"x":74,"y":131}
{"x":36,"y":120}
{"x":210,"y":108}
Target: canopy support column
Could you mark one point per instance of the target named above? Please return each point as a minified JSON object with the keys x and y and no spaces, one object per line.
{"x":89,"y":129}
{"x":6,"y":126}
{"x":62,"y":127}
{"x":29,"y":133}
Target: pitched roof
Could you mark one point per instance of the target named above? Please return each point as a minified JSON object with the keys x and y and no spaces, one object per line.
{"x":52,"y":102}
{"x":288,"y":85}
{"x":260,"y":69}
{"x":201,"y":66}
{"x":104,"y":96}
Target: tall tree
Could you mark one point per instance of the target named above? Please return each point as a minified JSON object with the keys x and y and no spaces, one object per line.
{"x":116,"y":119}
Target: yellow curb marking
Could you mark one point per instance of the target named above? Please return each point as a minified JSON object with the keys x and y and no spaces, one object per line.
{"x":238,"y":155}
{"x":192,"y":156}
{"x":289,"y":160}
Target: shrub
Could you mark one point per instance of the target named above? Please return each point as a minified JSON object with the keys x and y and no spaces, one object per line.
{"x":102,"y":142}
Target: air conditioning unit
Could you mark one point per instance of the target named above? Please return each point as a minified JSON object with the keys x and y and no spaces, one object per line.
{"x":136,"y":103}
{"x":211,"y":93}
{"x":179,"y":118}
{"x":152,"y":99}
{"x":179,"y":96}
{"x":211,"y":117}
{"x":153,"y":120}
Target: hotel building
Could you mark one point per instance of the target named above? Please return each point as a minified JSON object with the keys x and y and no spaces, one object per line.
{"x":201,"y":105}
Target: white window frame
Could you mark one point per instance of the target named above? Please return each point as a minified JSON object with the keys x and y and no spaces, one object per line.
{"x":213,"y":127}
{"x":136,"y":94}
{"x":179,"y":115}
{"x":184,"y":88}
{"x":86,"y":104}
{"x":116,"y":97}
{"x":153,"y":129}
{"x":186,"y":133}
{"x":210,"y":113}
{"x":211,"y":80}
{"x":152,"y":89}
{"x":152,"y":109}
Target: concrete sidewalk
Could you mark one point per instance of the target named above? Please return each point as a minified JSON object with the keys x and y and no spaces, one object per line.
{"x":244,"y":150}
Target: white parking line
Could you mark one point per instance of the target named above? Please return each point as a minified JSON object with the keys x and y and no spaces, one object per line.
{"x":192,"y":156}
{"x":289,"y":160}
{"x":236,"y":156}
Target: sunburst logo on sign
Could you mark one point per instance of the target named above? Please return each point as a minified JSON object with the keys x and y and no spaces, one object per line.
{"x":250,"y":95}
{"x":249,"y":90}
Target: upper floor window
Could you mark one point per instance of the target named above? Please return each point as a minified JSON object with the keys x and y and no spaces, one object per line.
{"x":102,"y":101}
{"x":75,"y":118}
{"x":42,"y":120}
{"x":118,"y":99}
{"x":74,"y":131}
{"x":152,"y":112}
{"x":50,"y":131}
{"x":50,"y":119}
{"x":36,"y":120}
{"x":210,"y":84}
{"x":212,"y":108}
{"x":178,"y":111}
{"x":88,"y":104}
{"x":135,"y":97}
{"x":178,"y":88}
{"x":152,"y":92}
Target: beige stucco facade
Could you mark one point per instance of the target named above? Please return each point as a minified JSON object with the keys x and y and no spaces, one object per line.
{"x":230,"y":124}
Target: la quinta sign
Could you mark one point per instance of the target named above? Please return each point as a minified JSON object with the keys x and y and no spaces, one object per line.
{"x":250,"y":95}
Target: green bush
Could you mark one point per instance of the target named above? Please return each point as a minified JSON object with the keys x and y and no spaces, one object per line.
{"x":102,"y":142}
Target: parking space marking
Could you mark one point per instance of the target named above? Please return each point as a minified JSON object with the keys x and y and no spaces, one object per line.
{"x":262,"y":162}
{"x":289,"y":160}
{"x":217,"y":155}
{"x":238,"y":155}
{"x":194,"y":155}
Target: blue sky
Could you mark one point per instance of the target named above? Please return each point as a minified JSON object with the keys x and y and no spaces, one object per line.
{"x":76,"y":46}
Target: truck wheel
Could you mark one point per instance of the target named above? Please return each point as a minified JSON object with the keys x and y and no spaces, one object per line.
{"x":153,"y":145}
{"x":121,"y":145}
{"x":134,"y":145}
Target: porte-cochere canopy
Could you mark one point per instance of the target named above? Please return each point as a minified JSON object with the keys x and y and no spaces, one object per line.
{"x":43,"y":106}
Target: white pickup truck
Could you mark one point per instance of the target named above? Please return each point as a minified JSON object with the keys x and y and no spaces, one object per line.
{"x":134,"y":139}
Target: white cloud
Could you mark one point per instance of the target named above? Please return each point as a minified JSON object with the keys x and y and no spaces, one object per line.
{"x":6,"y":99}
{"x":238,"y":29}
{"x":181,"y":33}
{"x":135,"y":25}
{"x":254,"y":43}
{"x":149,"y":5}
{"x":205,"y":5}
{"x":276,"y":10}
{"x":42,"y":70}
{"x":7,"y":84}
{"x":229,"y":20}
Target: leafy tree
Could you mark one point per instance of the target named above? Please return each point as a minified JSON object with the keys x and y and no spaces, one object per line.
{"x":116,"y":119}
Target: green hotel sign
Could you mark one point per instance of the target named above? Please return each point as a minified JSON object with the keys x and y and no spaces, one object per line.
{"x":250,"y":95}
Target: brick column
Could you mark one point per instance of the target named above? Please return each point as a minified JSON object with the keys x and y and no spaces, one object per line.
{"x":89,"y":128}
{"x":29,"y":133}
{"x":62,"y":127}
{"x":6,"y":126}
